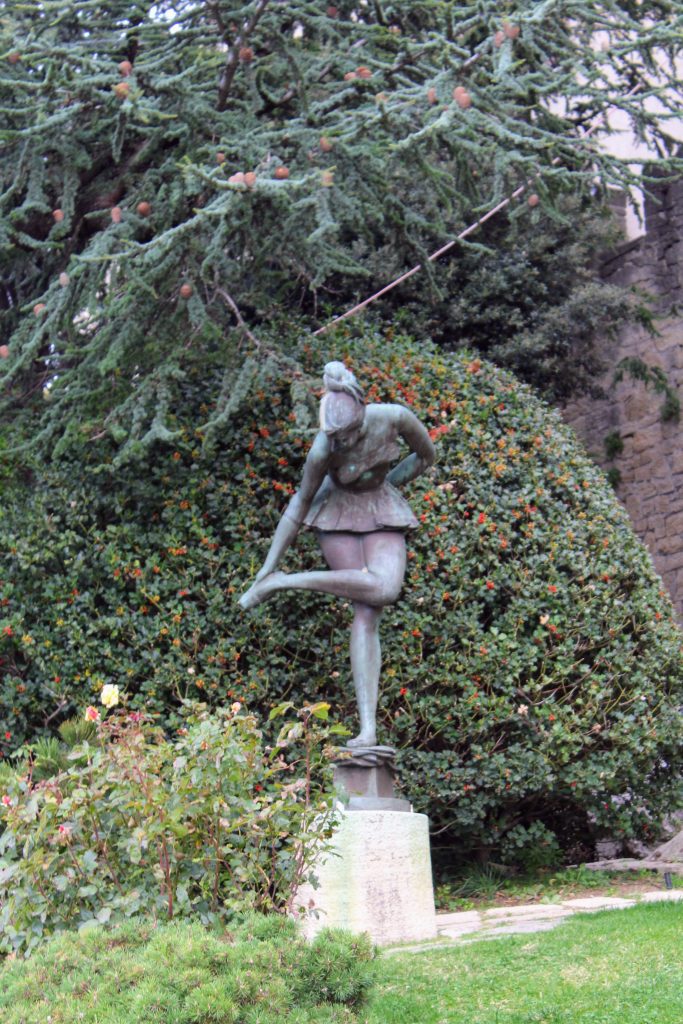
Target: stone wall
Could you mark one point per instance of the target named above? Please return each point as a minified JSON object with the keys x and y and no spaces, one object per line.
{"x":651,"y":463}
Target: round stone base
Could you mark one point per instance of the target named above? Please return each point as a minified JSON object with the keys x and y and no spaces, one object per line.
{"x":376,"y":878}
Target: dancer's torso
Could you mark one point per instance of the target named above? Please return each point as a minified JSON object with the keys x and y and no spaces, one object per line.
{"x":365,"y":466}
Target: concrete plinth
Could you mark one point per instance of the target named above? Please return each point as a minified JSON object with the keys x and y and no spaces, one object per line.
{"x":376,"y":878}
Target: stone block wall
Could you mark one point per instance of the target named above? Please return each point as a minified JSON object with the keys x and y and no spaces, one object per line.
{"x":651,"y":463}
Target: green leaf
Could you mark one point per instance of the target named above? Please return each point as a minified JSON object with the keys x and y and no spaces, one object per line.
{"x":280,"y":710}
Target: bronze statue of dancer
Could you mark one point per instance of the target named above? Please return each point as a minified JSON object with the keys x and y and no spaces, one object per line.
{"x":347,"y":496}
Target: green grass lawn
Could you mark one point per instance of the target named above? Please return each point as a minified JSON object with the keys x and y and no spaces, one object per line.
{"x":614,"y":967}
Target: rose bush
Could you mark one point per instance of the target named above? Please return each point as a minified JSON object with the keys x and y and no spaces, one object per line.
{"x":131,"y":823}
{"x":532,"y":667}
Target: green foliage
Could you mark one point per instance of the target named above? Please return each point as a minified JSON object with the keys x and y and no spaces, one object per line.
{"x":382,"y":171}
{"x":614,"y":476}
{"x":260,"y":971}
{"x":531,"y":669}
{"x":531,"y":847}
{"x":481,"y":881}
{"x":202,"y":825}
{"x":656,"y":378}
{"x":530,"y":301}
{"x":613,"y":444}
{"x":78,"y":730}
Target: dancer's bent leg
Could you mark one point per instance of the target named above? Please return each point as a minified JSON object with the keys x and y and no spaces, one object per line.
{"x":374,"y":576}
{"x":367,"y":569}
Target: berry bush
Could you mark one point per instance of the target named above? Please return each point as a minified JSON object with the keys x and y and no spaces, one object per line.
{"x":532,"y":673}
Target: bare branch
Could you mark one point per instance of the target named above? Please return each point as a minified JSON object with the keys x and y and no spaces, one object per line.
{"x":233,"y":56}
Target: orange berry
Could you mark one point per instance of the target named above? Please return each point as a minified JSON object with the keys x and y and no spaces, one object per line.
{"x":14,"y":57}
{"x":511,"y":31}
{"x":245,"y":54}
{"x":363,"y":72}
{"x":236,"y":179}
{"x":186,"y":290}
{"x":144,"y":209}
{"x":220,"y":158}
{"x":499,"y":39}
{"x":125,"y":68}
{"x":39,"y":308}
{"x":431,"y":96}
{"x":58,"y":215}
{"x":326,"y":144}
{"x":349,"y":76}
{"x":327,"y":179}
{"x":281,"y":173}
{"x":533,"y":200}
{"x":4,"y":351}
{"x":250,"y":179}
{"x":116,"y":214}
{"x":122,"y":90}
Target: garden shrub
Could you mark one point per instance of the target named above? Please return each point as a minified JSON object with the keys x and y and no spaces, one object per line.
{"x":202,"y":825}
{"x":532,"y":673}
{"x":180,"y":973}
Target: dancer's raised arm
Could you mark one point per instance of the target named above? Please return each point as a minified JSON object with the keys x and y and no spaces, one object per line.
{"x":418,"y":440}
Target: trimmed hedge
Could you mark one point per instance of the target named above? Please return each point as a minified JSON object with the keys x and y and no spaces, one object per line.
{"x":260,"y":971}
{"x":532,"y":668}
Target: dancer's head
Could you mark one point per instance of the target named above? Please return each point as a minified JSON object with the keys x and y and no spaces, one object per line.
{"x":342,"y":409}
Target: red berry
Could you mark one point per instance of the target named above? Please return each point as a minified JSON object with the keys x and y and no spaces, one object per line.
{"x":511,"y":31}
{"x":499,"y":39}
{"x":332,"y":12}
{"x":14,"y":57}
{"x":4,"y":351}
{"x":363,"y":72}
{"x":58,"y":215}
{"x":144,"y":209}
{"x":431,"y":96}
{"x":186,"y":290}
{"x":125,"y":67}
{"x":116,"y":214}
{"x":39,"y":308}
{"x":533,"y":200}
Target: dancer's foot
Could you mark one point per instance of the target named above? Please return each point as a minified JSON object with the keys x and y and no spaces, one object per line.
{"x":365,"y":738}
{"x":261,"y":591}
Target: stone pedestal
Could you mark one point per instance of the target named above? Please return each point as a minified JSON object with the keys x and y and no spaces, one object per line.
{"x":376,"y":878}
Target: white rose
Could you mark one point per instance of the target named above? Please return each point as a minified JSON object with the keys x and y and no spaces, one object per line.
{"x":109,"y":696}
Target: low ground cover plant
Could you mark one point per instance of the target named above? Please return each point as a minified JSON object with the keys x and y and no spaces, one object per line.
{"x":491,"y":884}
{"x":532,"y":671}
{"x":257,"y":972}
{"x":130,"y":822}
